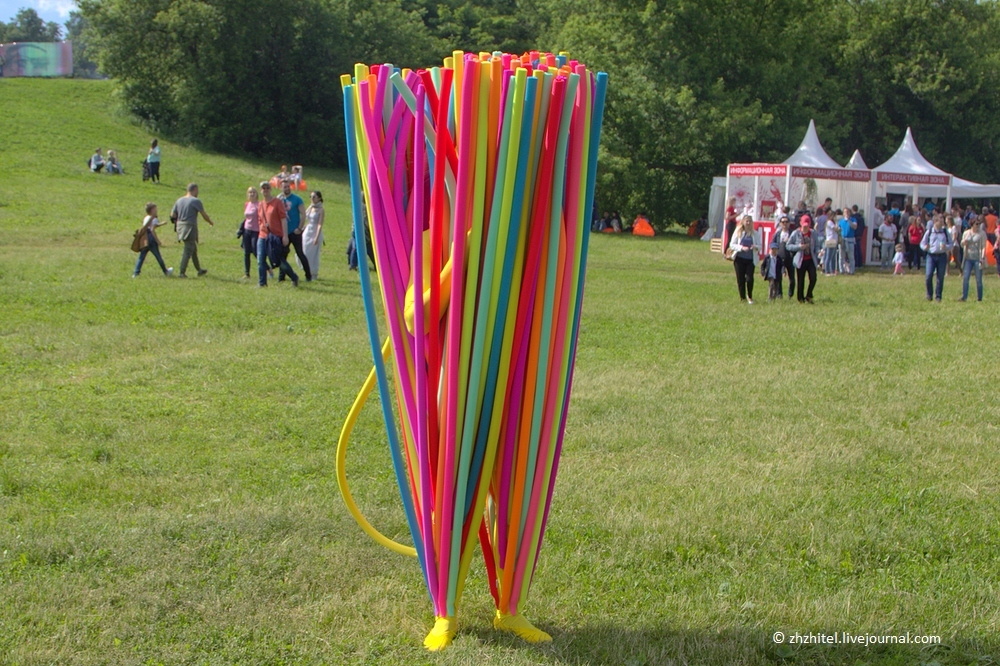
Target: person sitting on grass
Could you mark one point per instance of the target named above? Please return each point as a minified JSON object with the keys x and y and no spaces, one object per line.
{"x":96,"y":163}
{"x":149,"y":225}
{"x":113,"y":166}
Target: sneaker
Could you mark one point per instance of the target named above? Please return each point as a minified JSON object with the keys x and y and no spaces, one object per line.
{"x":929,"y":298}
{"x":246,"y":276}
{"x":937,"y":300}
{"x":749,"y":301}
{"x":182,"y":276}
{"x":809,"y":300}
{"x":135,"y":275}
{"x":961,"y":300}
{"x":203,"y":271}
{"x":170,"y":272}
{"x":295,"y":283}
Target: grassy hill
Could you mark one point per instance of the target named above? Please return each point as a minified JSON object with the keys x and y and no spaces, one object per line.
{"x":167,"y":479}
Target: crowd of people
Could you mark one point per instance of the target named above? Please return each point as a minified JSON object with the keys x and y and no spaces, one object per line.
{"x":271,"y":228}
{"x":826,"y":239}
{"x":111,"y":164}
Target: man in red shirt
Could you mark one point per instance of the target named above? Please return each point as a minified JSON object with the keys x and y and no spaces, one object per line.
{"x":273,"y":236}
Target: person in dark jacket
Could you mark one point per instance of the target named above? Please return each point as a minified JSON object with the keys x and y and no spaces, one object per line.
{"x":771,"y":270}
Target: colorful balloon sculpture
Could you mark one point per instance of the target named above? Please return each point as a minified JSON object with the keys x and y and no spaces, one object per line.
{"x":477,"y":181}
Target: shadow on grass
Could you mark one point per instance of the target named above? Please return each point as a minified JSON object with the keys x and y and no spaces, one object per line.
{"x":647,"y":646}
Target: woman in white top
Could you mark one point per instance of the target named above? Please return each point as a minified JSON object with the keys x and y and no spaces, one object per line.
{"x":312,"y":235}
{"x":745,"y":246}
{"x":830,"y":246}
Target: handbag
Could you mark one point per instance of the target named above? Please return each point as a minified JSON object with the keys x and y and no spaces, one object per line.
{"x":140,"y":240}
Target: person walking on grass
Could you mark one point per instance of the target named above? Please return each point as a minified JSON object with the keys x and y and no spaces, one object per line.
{"x":272,"y":241}
{"x":149,"y":224}
{"x":251,"y":229}
{"x":185,"y":212}
{"x":974,"y":252}
{"x":781,"y":236}
{"x":771,"y":270}
{"x":312,"y":237}
{"x":153,"y":158}
{"x":898,"y":259}
{"x":295,"y":211}
{"x":801,"y":243}
{"x":745,"y":246}
{"x":936,"y":243}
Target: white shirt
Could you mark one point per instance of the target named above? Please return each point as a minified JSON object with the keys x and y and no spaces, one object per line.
{"x":878,"y":218}
{"x":887,"y":232}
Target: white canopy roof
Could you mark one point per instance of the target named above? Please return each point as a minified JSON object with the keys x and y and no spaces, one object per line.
{"x":857,"y":162}
{"x":908,"y":160}
{"x":810,"y":152}
{"x":966,"y":189}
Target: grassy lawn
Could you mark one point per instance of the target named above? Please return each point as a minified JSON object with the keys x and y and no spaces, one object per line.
{"x":167,"y":481}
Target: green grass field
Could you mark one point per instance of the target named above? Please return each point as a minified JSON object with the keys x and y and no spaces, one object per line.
{"x":167,"y":448}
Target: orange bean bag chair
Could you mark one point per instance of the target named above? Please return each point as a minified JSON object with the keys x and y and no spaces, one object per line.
{"x":642,"y":227}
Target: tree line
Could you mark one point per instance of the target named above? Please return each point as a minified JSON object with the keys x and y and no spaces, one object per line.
{"x":694,"y":84}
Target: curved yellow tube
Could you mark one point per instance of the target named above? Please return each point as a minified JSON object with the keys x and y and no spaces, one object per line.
{"x":444,"y":281}
{"x":345,"y":434}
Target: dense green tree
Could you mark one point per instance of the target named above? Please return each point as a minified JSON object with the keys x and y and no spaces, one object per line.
{"x":28,"y":26}
{"x":77,"y":28}
{"x":480,"y":25}
{"x":247,"y":75}
{"x":694,"y":84}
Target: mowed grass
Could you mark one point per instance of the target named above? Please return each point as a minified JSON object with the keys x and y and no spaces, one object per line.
{"x":167,"y":448}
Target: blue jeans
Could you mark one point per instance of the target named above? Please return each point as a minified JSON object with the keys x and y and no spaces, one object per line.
{"x":936,"y":262}
{"x":262,"y":265}
{"x":968,"y":266}
{"x":155,"y":249}
{"x":830,"y":259}
{"x":849,"y":246}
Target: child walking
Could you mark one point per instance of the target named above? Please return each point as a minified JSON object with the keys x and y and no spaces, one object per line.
{"x":770,"y":270}
{"x":149,"y":224}
{"x":898,"y":259}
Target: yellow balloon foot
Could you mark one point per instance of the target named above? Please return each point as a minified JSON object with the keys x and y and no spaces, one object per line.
{"x":442,"y":634}
{"x":519,"y":626}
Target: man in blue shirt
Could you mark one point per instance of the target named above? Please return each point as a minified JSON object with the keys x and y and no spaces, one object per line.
{"x":847,"y":226}
{"x":296,"y":212}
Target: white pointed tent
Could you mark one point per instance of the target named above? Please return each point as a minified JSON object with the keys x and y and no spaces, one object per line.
{"x":909,"y":172}
{"x":810,"y":152}
{"x":763,"y":187}
{"x":856,"y":161}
